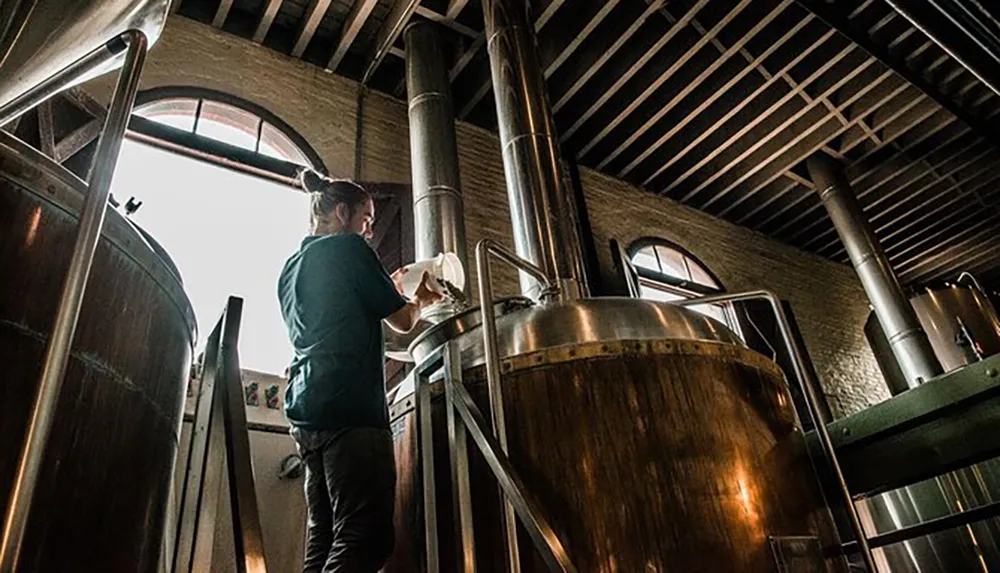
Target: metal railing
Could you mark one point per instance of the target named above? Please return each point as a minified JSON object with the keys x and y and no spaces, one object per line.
{"x":219,"y":453}
{"x":801,"y":373}
{"x":464,"y":419}
{"x":36,"y":438}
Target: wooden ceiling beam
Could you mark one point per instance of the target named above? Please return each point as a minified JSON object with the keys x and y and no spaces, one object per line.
{"x":727,"y":53}
{"x":77,"y":140}
{"x":392,"y":27}
{"x":600,"y":58}
{"x":425,"y":12}
{"x":222,"y":12}
{"x":455,"y":8}
{"x":632,"y":71}
{"x":950,"y":254}
{"x":355,"y":21}
{"x":867,"y":165}
{"x":987,"y":261}
{"x":785,"y":150}
{"x":942,"y":233}
{"x":309,"y":24}
{"x":46,"y":130}
{"x":83,"y":100}
{"x":266,"y":20}
{"x":898,"y":63}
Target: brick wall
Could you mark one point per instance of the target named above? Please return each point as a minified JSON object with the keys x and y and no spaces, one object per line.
{"x":826,"y":298}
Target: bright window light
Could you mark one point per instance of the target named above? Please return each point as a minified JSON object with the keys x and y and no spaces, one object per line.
{"x":229,"y":233}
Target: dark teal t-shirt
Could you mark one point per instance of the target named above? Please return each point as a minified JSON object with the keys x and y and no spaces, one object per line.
{"x":334,"y":294}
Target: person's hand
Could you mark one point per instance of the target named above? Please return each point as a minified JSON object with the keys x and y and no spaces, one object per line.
{"x":425,"y":295}
{"x":397,"y":279}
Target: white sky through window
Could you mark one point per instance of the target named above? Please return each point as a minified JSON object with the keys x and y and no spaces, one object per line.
{"x":227,"y":232}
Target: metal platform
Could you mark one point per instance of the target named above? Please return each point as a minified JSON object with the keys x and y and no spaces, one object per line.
{"x":943,"y":425}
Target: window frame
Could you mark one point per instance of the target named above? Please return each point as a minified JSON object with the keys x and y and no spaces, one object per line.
{"x":205,"y":148}
{"x":689,"y":289}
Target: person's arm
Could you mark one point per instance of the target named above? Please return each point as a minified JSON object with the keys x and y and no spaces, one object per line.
{"x":380,"y":295}
{"x":404,"y":319}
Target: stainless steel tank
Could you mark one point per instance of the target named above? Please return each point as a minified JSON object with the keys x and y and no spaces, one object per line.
{"x":652,"y":438}
{"x":963,"y":327}
{"x":38,"y":38}
{"x":960,"y":322}
{"x":100,"y":501}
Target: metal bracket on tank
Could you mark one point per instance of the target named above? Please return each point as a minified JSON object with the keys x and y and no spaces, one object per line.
{"x":797,"y":554}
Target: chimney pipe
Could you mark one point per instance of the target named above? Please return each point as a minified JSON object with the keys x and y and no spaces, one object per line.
{"x":540,"y":202}
{"x":438,"y":219}
{"x":907,"y":338}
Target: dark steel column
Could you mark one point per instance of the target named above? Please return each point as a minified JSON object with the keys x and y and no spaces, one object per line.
{"x":907,"y":338}
{"x":540,"y":200}
{"x":438,"y":218}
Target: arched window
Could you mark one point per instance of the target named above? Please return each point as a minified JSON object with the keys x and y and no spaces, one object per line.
{"x":669,"y":273}
{"x":222,"y":128}
{"x":214,"y":178}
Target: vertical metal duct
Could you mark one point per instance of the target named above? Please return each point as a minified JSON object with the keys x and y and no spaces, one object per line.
{"x":438,"y":219}
{"x":907,"y":338}
{"x":540,"y":200}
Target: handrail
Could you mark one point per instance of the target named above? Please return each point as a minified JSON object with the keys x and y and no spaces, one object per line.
{"x":484,"y":249}
{"x":88,"y":235}
{"x":517,"y":502}
{"x":528,"y":509}
{"x":219,"y":441}
{"x":799,"y":364}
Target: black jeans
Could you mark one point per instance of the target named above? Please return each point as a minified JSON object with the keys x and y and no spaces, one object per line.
{"x":350,"y":492}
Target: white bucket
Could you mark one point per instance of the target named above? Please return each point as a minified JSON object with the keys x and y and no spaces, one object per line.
{"x":445,"y":266}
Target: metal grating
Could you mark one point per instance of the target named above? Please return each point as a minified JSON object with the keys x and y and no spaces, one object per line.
{"x":717,"y":103}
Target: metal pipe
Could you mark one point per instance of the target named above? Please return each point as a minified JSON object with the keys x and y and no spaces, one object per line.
{"x":799,"y":364}
{"x":438,"y":218}
{"x":540,"y":200}
{"x":61,"y":81}
{"x":485,"y":283}
{"x":60,"y":344}
{"x":972,"y":278}
{"x":459,"y":454}
{"x":959,"y":32}
{"x":425,"y":431}
{"x":932,"y":526}
{"x":535,"y":524}
{"x":907,"y":338}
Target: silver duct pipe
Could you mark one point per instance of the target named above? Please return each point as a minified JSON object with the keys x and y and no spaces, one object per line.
{"x":907,"y":338}
{"x":540,"y":201}
{"x":438,"y":219}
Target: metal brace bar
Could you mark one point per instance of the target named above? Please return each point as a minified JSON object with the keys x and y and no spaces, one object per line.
{"x":425,"y":430}
{"x":527,"y":508}
{"x":459,"y":454}
{"x":88,"y":234}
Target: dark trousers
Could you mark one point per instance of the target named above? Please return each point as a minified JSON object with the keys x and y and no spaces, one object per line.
{"x":350,"y":493}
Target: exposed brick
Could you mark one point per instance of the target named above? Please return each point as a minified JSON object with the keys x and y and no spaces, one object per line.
{"x":826,"y":297}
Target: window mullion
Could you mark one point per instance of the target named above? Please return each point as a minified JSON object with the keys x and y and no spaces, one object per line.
{"x":197,"y":116}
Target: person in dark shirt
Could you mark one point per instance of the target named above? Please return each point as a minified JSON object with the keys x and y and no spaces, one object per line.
{"x":334,"y":295}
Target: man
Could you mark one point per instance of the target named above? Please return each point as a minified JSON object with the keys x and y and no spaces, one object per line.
{"x":334,"y":296}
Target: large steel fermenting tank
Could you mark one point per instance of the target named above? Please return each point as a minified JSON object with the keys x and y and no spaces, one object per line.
{"x":651,"y":437}
{"x":963,"y":327}
{"x":38,"y":38}
{"x":100,"y":501}
{"x":960,"y":322}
